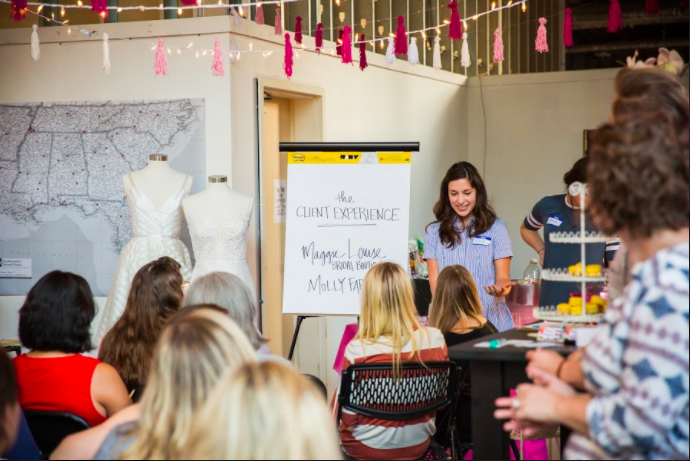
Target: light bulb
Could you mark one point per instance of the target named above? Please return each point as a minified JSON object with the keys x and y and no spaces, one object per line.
{"x":241,"y":12}
{"x":62,"y":12}
{"x":179,"y":11}
{"x":493,"y":6}
{"x":337,"y":2}
{"x":119,"y":10}
{"x":80,"y":3}
{"x":524,"y":6}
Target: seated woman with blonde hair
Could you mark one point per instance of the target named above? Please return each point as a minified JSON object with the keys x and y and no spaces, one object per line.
{"x":199,"y":345}
{"x":263,"y":411}
{"x":389,"y":333}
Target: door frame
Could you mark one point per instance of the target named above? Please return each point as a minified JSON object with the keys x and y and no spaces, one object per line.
{"x":285,"y":90}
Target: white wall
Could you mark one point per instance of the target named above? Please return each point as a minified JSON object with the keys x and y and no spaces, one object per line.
{"x":534,"y":126}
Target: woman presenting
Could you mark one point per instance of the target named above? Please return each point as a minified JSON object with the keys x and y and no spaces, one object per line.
{"x":467,"y":232}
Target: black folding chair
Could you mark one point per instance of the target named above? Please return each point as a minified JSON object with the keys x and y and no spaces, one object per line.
{"x":372,"y":390}
{"x":49,"y":428}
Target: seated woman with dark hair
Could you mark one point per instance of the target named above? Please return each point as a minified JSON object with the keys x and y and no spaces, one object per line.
{"x":54,"y":323}
{"x":9,"y":410}
{"x":156,"y":294}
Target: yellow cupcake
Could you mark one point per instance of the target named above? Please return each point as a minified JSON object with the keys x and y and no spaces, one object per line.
{"x":576,"y":301}
{"x":593,"y":270}
{"x":576,"y":270}
{"x":596,"y":299}
{"x":563,"y":309}
{"x":576,"y":310}
{"x":592,"y":308}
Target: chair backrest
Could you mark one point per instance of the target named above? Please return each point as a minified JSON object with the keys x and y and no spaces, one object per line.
{"x":371,"y":389}
{"x":49,"y":428}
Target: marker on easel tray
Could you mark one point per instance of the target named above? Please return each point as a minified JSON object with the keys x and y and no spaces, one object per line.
{"x":496,"y":343}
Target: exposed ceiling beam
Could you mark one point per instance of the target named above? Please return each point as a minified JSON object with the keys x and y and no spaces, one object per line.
{"x":587,"y":23}
{"x":631,"y":45}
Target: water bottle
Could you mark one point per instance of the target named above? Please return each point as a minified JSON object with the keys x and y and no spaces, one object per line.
{"x":532,"y":273}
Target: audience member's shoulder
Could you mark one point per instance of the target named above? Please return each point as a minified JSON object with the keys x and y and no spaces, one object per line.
{"x":668,"y":268}
{"x":261,"y":357}
{"x":434,"y":335}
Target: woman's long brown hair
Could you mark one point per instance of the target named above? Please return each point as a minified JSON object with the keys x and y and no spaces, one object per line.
{"x":456,"y":301}
{"x":484,"y":215}
{"x":155,"y":295}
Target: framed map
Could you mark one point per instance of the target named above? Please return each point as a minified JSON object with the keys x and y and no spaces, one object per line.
{"x":62,"y":202}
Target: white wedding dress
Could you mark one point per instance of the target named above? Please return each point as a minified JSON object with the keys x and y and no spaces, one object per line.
{"x":156,"y":233}
{"x":221,"y":249}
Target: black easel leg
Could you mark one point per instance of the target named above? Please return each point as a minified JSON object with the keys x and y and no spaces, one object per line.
{"x":300,"y":319}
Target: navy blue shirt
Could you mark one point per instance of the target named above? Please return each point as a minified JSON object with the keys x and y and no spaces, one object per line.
{"x":553,"y":214}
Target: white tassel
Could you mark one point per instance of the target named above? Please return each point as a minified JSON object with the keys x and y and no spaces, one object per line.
{"x":465,"y":60}
{"x":106,"y":55}
{"x":234,"y":51}
{"x":413,"y":52}
{"x":390,"y":52}
{"x":35,"y":44}
{"x":437,"y":53}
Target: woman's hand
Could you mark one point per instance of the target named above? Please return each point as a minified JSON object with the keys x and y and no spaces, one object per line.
{"x":499,"y":289}
{"x":545,"y":360}
{"x":535,"y":405}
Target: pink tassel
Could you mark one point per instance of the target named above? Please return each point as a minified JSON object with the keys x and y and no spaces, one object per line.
{"x":288,"y":56}
{"x":279,"y":23}
{"x":217,"y":66}
{"x":542,"y":45}
{"x":401,"y":37}
{"x":259,"y":16}
{"x":652,"y":7}
{"x":568,"y":28}
{"x":362,"y":53}
{"x":188,"y":2}
{"x":298,"y":30}
{"x":100,"y":7}
{"x":161,"y":65}
{"x":615,"y":17}
{"x":346,"y":55}
{"x":319,"y":37}
{"x":339,"y":46}
{"x":498,"y":46}
{"x":455,"y":28}
{"x":19,"y":9}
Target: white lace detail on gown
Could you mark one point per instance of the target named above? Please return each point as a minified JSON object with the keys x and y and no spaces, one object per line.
{"x":156,"y":233}
{"x":221,"y":249}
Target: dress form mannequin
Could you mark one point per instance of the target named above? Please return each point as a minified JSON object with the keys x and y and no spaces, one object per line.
{"x":218,"y":221}
{"x":158,"y":181}
{"x":154,"y":195}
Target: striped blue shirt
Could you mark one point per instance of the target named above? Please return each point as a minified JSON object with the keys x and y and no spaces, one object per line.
{"x":477,"y":255}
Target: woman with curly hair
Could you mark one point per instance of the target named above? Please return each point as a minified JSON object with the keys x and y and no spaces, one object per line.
{"x":636,"y":369}
{"x":156,"y":294}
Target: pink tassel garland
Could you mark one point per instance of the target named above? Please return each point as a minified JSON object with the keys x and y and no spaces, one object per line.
{"x":455,"y":28}
{"x":19,"y":9}
{"x":188,"y":2}
{"x":161,"y":64}
{"x":279,"y":23}
{"x":615,"y":17}
{"x":298,"y":30}
{"x":259,"y":16}
{"x":542,"y":44}
{"x":498,"y":46}
{"x":652,"y":7}
{"x":362,"y":53}
{"x":288,"y":56}
{"x":401,"y":37}
{"x":319,"y":37}
{"x":346,"y":55}
{"x":217,"y":66}
{"x":100,"y":7}
{"x":568,"y":28}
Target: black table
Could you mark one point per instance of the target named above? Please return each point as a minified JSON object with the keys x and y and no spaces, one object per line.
{"x":494,"y":373}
